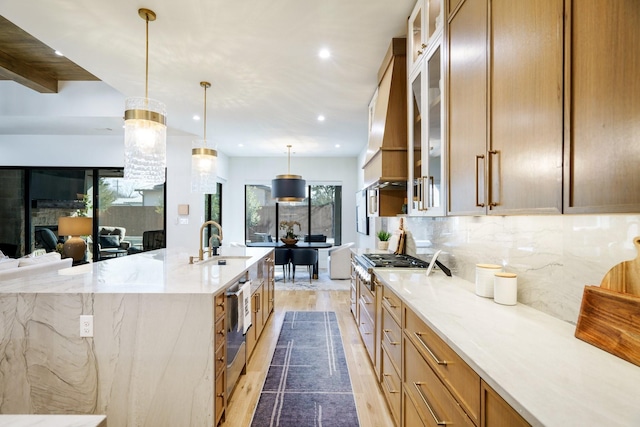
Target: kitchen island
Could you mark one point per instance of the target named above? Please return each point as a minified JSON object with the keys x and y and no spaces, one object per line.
{"x":152,"y":359}
{"x":532,"y":360}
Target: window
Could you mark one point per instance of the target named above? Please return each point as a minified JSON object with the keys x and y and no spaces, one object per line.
{"x":319,"y":213}
{"x":213,"y":211}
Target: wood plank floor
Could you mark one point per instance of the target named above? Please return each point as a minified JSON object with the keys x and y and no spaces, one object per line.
{"x":372,"y":408}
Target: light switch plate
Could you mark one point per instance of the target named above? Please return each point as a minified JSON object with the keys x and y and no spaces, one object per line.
{"x":183,"y":209}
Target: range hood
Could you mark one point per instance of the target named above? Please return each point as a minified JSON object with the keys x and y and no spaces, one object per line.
{"x":386,"y":161}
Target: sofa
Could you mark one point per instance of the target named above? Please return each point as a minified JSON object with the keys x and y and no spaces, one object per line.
{"x":339,"y":263}
{"x":32,"y":265}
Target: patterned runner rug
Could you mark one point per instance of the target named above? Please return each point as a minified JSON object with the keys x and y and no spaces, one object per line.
{"x":308,"y":380}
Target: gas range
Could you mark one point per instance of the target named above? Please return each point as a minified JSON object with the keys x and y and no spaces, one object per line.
{"x":393,"y":260}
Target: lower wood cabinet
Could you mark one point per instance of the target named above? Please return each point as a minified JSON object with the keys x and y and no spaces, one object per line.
{"x":496,"y":412}
{"x":220,"y":362}
{"x":424,"y":380}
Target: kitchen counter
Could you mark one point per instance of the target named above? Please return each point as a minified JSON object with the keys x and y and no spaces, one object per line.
{"x":530,"y":358}
{"x":150,"y":361}
{"x":164,"y":271}
{"x":53,"y":421}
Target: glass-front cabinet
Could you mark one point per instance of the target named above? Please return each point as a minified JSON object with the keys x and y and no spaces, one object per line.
{"x":426,"y":159}
{"x":425,"y":22}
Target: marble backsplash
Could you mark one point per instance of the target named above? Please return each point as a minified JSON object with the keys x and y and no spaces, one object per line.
{"x":554,"y":256}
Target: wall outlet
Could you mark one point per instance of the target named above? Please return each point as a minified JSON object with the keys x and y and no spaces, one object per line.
{"x":86,"y":325}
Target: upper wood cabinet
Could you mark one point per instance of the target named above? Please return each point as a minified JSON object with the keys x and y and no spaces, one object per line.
{"x":505,"y":107}
{"x":602,"y":138}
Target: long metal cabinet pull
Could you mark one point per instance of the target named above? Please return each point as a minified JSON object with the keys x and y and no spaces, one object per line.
{"x":426,"y":347}
{"x":426,"y":402}
{"x":389,"y":389}
{"x":432,"y":187}
{"x":424,"y":194}
{"x":491,"y":201}
{"x":478,"y":157}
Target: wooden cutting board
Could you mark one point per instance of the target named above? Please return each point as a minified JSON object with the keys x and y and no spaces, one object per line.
{"x":610,"y":314}
{"x":624,"y":277}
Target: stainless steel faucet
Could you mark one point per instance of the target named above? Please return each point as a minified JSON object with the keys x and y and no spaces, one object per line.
{"x":209,"y":250}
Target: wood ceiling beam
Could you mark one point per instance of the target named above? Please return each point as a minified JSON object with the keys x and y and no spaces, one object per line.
{"x":22,"y":73}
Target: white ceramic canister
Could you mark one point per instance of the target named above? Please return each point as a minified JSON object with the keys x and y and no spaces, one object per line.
{"x":484,"y":279}
{"x":505,"y":287}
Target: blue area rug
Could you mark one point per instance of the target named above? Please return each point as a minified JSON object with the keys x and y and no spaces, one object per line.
{"x":308,"y":380}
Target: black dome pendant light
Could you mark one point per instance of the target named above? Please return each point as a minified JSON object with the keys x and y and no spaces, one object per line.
{"x":288,"y":188}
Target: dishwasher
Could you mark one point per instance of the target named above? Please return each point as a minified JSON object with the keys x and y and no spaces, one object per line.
{"x":237,"y":310}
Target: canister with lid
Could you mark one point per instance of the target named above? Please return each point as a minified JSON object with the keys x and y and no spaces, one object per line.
{"x":484,"y":279}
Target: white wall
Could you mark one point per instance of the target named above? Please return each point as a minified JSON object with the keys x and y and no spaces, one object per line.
{"x":252,"y":170}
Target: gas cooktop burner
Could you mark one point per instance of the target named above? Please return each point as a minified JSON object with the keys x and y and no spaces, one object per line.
{"x":395,"y":260}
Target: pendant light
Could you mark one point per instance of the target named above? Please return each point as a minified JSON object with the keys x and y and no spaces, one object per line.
{"x":145,"y":130}
{"x":288,"y":188}
{"x":204,"y":160}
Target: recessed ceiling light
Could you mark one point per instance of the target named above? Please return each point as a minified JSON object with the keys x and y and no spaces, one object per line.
{"x":337,"y":145}
{"x":196,"y":117}
{"x":57,"y":52}
{"x":321,"y":118}
{"x":324,"y":53}
{"x":240,"y":145}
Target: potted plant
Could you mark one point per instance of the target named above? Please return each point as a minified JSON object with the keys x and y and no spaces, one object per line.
{"x":289,"y":238}
{"x":384,"y":237}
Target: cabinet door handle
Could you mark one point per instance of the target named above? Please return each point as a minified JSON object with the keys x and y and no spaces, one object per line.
{"x":478,"y":157}
{"x":364,"y":300}
{"x":432,"y":188}
{"x":491,"y":198}
{"x":424,"y":194}
{"x":388,"y":338}
{"x":386,"y":385}
{"x":426,"y":347}
{"x":389,"y":302}
{"x":426,"y":402}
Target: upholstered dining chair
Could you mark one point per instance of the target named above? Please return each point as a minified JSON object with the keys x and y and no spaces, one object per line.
{"x":308,"y":257}
{"x":283,"y":258}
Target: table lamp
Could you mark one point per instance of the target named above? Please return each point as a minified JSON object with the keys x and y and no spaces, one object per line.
{"x":74,"y":226}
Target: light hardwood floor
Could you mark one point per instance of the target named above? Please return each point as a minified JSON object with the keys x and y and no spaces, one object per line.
{"x":372,"y":408}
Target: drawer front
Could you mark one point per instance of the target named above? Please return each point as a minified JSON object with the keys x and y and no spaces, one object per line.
{"x":353,"y":299}
{"x":411,"y":415}
{"x":392,"y":338}
{"x":459,"y":378}
{"x":434,"y":404}
{"x":220,"y":362}
{"x":368,"y":301}
{"x":219,"y":302}
{"x":220,"y":398}
{"x":220,"y":334}
{"x":393,"y":304}
{"x":367,"y":331}
{"x":391,"y":386}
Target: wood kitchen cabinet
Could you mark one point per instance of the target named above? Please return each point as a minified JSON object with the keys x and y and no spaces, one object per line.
{"x":603,"y":103}
{"x":262,"y":301}
{"x":220,"y":362}
{"x":496,"y":412}
{"x":505,"y":107}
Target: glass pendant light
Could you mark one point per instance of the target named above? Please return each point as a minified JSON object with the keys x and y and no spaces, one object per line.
{"x":145,"y":130}
{"x":204,"y":160}
{"x":288,"y":188}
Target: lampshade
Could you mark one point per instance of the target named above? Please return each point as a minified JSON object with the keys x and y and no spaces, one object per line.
{"x":288,"y":188}
{"x":74,"y":226}
{"x":204,"y":160}
{"x":145,"y":130}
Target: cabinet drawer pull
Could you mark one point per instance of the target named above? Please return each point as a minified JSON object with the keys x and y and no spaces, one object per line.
{"x":478,"y":157}
{"x":364,"y":300}
{"x":426,"y":347}
{"x":221,"y":332}
{"x":432,"y":189}
{"x":388,"y":338}
{"x":389,"y":302}
{"x":426,"y":402}
{"x":386,"y":385}
{"x":220,"y":304}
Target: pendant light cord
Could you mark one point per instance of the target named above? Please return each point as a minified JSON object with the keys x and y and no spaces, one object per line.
{"x":205,"y":114}
{"x":289,"y":160}
{"x":146,"y":65}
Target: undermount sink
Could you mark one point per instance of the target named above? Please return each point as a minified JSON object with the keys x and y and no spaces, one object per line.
{"x":215,"y":258}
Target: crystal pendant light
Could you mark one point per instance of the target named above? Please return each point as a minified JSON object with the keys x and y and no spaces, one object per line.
{"x":288,"y":188}
{"x":145,"y":131}
{"x":204,"y":160}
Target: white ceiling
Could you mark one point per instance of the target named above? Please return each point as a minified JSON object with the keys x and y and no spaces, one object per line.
{"x":268,"y":82}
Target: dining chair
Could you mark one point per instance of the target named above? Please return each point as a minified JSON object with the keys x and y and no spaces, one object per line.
{"x":283,"y":258}
{"x":308,"y":257}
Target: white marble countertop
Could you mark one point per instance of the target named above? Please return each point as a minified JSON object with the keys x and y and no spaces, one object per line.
{"x":163,"y":271}
{"x":530,"y":358}
{"x":53,"y":421}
